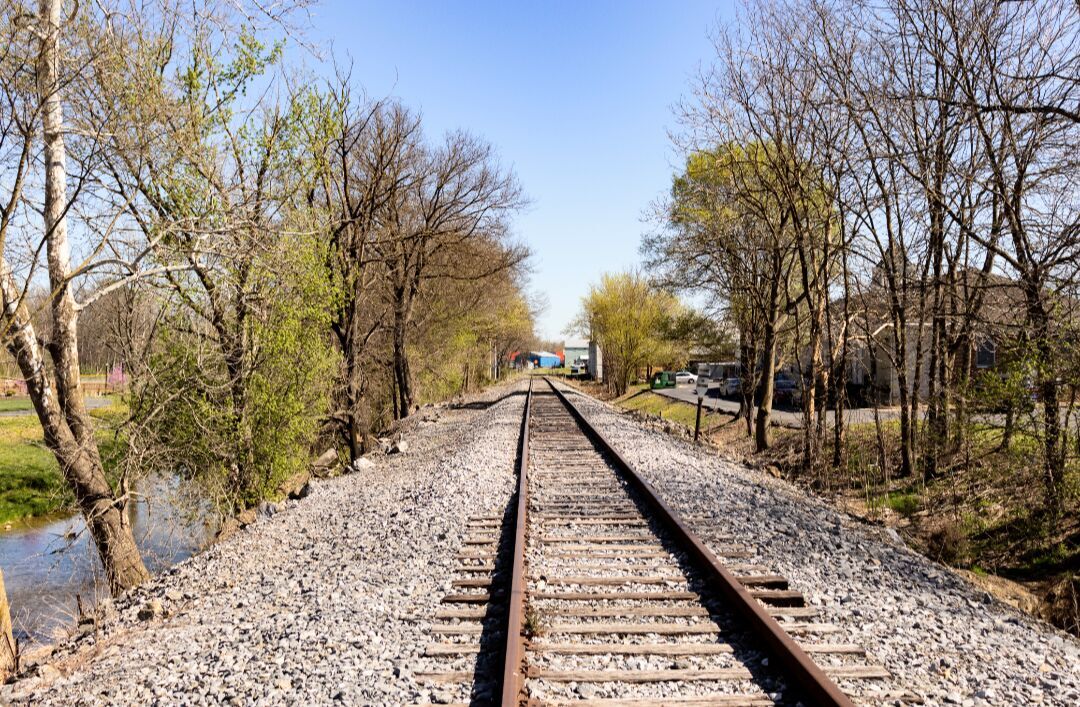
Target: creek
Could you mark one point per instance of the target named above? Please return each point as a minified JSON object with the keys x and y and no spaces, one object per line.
{"x":50,"y":563}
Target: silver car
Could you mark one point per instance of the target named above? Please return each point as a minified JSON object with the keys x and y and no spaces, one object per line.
{"x":685,"y":377}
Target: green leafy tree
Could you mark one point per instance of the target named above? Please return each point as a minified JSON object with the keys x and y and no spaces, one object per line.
{"x":627,"y":316}
{"x":729,"y":233}
{"x":236,"y":374}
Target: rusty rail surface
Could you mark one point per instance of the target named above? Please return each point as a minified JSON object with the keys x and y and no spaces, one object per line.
{"x":513,"y":655}
{"x":811,"y":682}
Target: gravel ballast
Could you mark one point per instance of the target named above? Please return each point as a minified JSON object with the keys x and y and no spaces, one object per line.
{"x":327,"y":601}
{"x":943,"y":639}
{"x":330,"y":599}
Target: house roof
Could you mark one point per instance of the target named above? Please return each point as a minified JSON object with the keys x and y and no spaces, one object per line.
{"x":998,"y":300}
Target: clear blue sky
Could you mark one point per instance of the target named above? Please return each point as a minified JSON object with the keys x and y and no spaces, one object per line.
{"x":576,"y":96}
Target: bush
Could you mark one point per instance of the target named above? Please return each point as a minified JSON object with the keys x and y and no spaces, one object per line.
{"x":239,"y":412}
{"x":906,"y":504}
{"x":949,"y":544}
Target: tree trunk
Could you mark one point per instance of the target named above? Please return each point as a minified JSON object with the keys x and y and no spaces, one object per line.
{"x":80,"y":464}
{"x":908,"y":401}
{"x":64,"y":347}
{"x":355,"y":437}
{"x":811,"y":420}
{"x":748,"y":360}
{"x":762,"y":437}
{"x":354,"y":429}
{"x":840,"y":374}
{"x":402,"y":377}
{"x":8,"y":654}
{"x":1052,"y":442}
{"x":907,"y":428}
{"x":963,"y":383}
{"x":839,"y":385}
{"x":933,"y":412}
{"x":67,"y":428}
{"x":350,"y":341}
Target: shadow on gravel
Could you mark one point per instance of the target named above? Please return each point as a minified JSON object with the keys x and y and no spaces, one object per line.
{"x":485,"y":404}
{"x":487,"y":676}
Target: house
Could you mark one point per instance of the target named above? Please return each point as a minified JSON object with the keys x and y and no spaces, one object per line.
{"x":871,"y":369}
{"x":575,"y":351}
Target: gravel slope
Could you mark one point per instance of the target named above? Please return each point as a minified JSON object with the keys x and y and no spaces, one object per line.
{"x":326,"y":601}
{"x":943,"y":639}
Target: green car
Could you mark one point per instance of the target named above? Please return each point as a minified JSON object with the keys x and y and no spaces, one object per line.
{"x":663,"y":379}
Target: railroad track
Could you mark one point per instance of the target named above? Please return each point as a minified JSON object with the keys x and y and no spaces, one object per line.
{"x":598,"y":593}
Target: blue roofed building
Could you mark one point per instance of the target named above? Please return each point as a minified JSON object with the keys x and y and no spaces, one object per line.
{"x":544,"y":359}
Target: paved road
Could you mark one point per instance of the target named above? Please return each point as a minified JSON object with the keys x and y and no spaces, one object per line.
{"x":788,"y":417}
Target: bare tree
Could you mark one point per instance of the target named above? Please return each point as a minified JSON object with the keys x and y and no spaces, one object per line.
{"x":56,"y":391}
{"x":754,"y":111}
{"x":1031,"y":165}
{"x":371,"y":158}
{"x":461,"y":196}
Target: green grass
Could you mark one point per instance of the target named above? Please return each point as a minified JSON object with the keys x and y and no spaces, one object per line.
{"x":15,"y":403}
{"x":906,"y":504}
{"x":30,"y":479}
{"x":640,"y":399}
{"x":30,"y":483}
{"x":632,"y":391}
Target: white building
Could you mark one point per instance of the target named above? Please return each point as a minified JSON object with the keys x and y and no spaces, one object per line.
{"x":596,"y":361}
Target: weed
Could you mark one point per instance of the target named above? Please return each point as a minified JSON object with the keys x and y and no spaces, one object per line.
{"x":906,"y":504}
{"x":534,"y":625}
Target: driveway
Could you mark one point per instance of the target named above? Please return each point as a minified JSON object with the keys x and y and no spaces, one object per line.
{"x":785,"y":416}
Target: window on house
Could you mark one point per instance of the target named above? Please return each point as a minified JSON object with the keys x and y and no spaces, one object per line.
{"x":986,"y":354}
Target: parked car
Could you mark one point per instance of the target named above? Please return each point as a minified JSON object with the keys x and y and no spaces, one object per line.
{"x":787,"y":391}
{"x":662,"y":379}
{"x":730,"y":386}
{"x":685,"y":377}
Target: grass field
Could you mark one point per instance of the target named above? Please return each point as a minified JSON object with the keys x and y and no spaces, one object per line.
{"x":30,"y":483}
{"x":15,"y":403}
{"x":30,"y":480}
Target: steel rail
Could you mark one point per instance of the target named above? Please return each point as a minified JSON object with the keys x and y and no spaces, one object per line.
{"x":513,"y":654}
{"x":812,"y":683}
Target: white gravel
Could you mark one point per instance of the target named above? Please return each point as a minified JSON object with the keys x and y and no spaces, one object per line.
{"x":942,"y":638}
{"x":329,"y":600}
